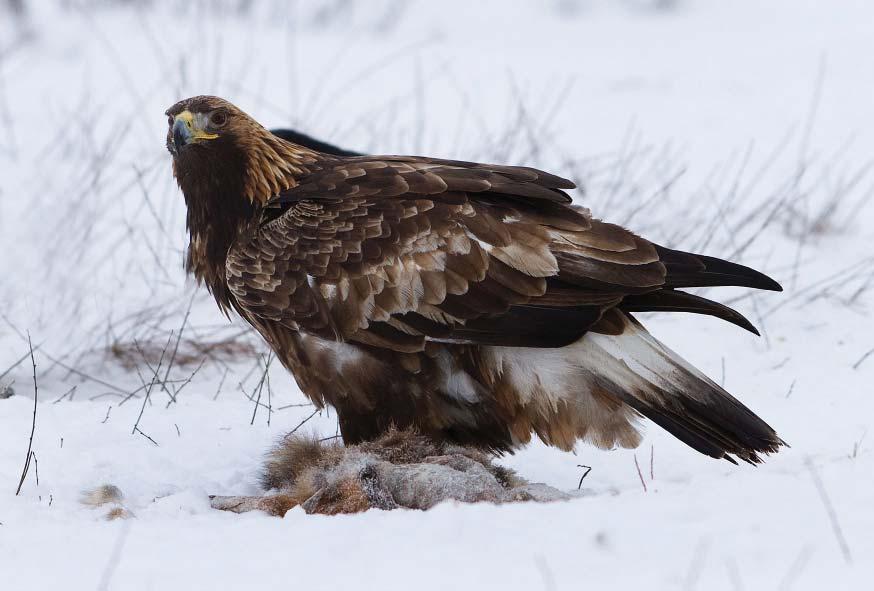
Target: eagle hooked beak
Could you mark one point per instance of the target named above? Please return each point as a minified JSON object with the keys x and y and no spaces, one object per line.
{"x":189,"y":128}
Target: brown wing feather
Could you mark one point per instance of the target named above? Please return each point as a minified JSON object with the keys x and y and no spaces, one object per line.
{"x":391,"y":176}
{"x":395,"y":251}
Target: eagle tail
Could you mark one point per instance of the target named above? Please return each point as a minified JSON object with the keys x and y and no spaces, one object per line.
{"x":635,"y":368}
{"x":670,"y":300}
{"x":684,"y":269}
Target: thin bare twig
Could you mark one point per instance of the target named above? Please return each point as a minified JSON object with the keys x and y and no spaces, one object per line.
{"x":16,"y":364}
{"x":298,"y":405}
{"x":260,"y":388}
{"x":137,"y":430}
{"x":176,"y":391}
{"x":639,"y":473}
{"x":796,"y":568}
{"x":84,"y":375}
{"x":33,"y":423}
{"x":221,"y":383}
{"x":830,"y":510}
{"x":583,"y":477}
{"x":862,"y":359}
{"x":115,"y":557}
{"x":149,"y":391}
{"x":175,"y":351}
{"x":652,"y":462}
{"x":301,"y":424}
{"x":71,"y":392}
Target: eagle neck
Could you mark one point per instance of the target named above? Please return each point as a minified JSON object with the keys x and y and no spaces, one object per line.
{"x":225,"y":196}
{"x":274,"y":165}
{"x":217,"y":213}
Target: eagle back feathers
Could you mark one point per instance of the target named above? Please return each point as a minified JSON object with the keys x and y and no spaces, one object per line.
{"x":397,"y":252}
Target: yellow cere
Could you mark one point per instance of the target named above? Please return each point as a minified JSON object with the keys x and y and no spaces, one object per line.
{"x":191,"y":122}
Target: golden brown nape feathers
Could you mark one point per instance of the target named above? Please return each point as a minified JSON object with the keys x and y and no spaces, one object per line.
{"x":472,"y":302}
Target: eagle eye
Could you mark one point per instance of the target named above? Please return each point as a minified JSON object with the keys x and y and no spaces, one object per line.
{"x":218,"y":118}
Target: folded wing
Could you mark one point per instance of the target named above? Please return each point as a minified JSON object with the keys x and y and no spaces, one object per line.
{"x":406,"y":254}
{"x":396,"y":251}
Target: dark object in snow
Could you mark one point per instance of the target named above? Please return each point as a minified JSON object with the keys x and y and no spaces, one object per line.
{"x":401,"y":469}
{"x":6,"y":391}
{"x":472,"y":302}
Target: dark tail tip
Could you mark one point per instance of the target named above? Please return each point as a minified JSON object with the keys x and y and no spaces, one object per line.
{"x":671,"y":300}
{"x":685,"y":269}
{"x":746,"y":276}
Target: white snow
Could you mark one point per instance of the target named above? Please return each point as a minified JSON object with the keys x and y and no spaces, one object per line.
{"x":739,"y":129}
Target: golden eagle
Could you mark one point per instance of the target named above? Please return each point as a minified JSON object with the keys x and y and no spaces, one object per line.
{"x":471,"y":302}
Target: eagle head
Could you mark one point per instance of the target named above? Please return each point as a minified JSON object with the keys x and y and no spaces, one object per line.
{"x":196,"y":123}
{"x":216,"y":147}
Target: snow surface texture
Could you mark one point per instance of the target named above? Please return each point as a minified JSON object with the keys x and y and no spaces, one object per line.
{"x":737,"y":129}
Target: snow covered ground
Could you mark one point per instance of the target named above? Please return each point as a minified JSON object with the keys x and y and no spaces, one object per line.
{"x":740,"y":129}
